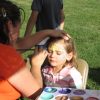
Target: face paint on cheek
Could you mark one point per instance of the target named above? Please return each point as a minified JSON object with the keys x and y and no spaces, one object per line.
{"x":58,"y":48}
{"x":63,"y":57}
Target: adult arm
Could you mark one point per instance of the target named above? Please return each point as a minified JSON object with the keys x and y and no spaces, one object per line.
{"x":62,"y":19}
{"x":29,"y":41}
{"x":36,"y":8}
{"x":25,"y":83}
{"x":31,"y":22}
{"x":37,"y":62}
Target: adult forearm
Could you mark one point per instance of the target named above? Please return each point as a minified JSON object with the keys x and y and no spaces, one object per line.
{"x":29,"y":27}
{"x":61,"y":27}
{"x":35,"y":95}
{"x":37,"y":75}
{"x":29,"y":41}
{"x":31,"y":22}
{"x":62,"y":20}
{"x":37,"y":61}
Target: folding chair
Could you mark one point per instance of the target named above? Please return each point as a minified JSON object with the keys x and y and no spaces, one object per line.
{"x":83,"y":68}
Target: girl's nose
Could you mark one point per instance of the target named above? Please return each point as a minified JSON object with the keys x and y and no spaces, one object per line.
{"x":53,"y":54}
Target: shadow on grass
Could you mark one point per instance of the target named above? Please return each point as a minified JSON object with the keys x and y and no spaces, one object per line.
{"x":94,"y":74}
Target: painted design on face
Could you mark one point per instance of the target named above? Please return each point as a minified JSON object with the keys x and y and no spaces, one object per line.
{"x":56,"y":47}
{"x":59,"y":50}
{"x":53,"y":47}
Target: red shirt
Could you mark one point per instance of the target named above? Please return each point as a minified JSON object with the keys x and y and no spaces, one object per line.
{"x":10,"y":62}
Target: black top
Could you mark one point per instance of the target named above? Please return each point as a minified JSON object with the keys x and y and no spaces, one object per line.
{"x":49,"y":13}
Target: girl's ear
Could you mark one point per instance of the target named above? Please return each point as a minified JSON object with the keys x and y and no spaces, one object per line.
{"x":69,"y":56}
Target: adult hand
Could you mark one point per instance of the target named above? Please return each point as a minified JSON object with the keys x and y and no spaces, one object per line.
{"x":60,"y":33}
{"x":39,"y":57}
{"x":65,"y":35}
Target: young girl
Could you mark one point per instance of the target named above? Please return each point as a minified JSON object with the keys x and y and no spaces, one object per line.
{"x":61,"y":71}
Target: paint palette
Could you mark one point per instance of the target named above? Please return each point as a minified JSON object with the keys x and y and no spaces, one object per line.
{"x":64,"y":91}
{"x":50,"y":89}
{"x":46,"y":96}
{"x":56,"y":93}
{"x":79,"y":92}
{"x":76,"y":98}
{"x":61,"y":98}
{"x":92,"y":98}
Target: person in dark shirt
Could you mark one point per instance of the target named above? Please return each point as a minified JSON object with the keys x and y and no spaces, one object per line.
{"x":46,"y":14}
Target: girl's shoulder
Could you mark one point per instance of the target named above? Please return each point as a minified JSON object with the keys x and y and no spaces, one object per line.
{"x":73,"y":69}
{"x":74,"y":72}
{"x":46,"y":68}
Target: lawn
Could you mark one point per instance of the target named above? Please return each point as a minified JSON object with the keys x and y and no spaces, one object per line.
{"x":82,"y":21}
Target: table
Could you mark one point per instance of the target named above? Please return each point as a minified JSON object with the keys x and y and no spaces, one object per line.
{"x":51,"y":93}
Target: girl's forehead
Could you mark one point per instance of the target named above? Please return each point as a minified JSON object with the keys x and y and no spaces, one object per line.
{"x":56,"y":47}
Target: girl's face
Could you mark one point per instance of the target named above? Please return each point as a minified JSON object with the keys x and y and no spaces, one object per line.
{"x":57,"y":54}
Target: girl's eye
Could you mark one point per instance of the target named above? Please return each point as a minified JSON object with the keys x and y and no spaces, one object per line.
{"x":49,"y":51}
{"x":58,"y":53}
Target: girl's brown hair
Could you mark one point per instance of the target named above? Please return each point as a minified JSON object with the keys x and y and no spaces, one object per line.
{"x":68,"y":45}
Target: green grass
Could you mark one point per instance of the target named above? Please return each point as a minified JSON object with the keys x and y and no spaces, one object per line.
{"x":82,"y":21}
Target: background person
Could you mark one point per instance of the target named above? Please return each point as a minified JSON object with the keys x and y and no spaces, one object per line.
{"x":46,"y":14}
